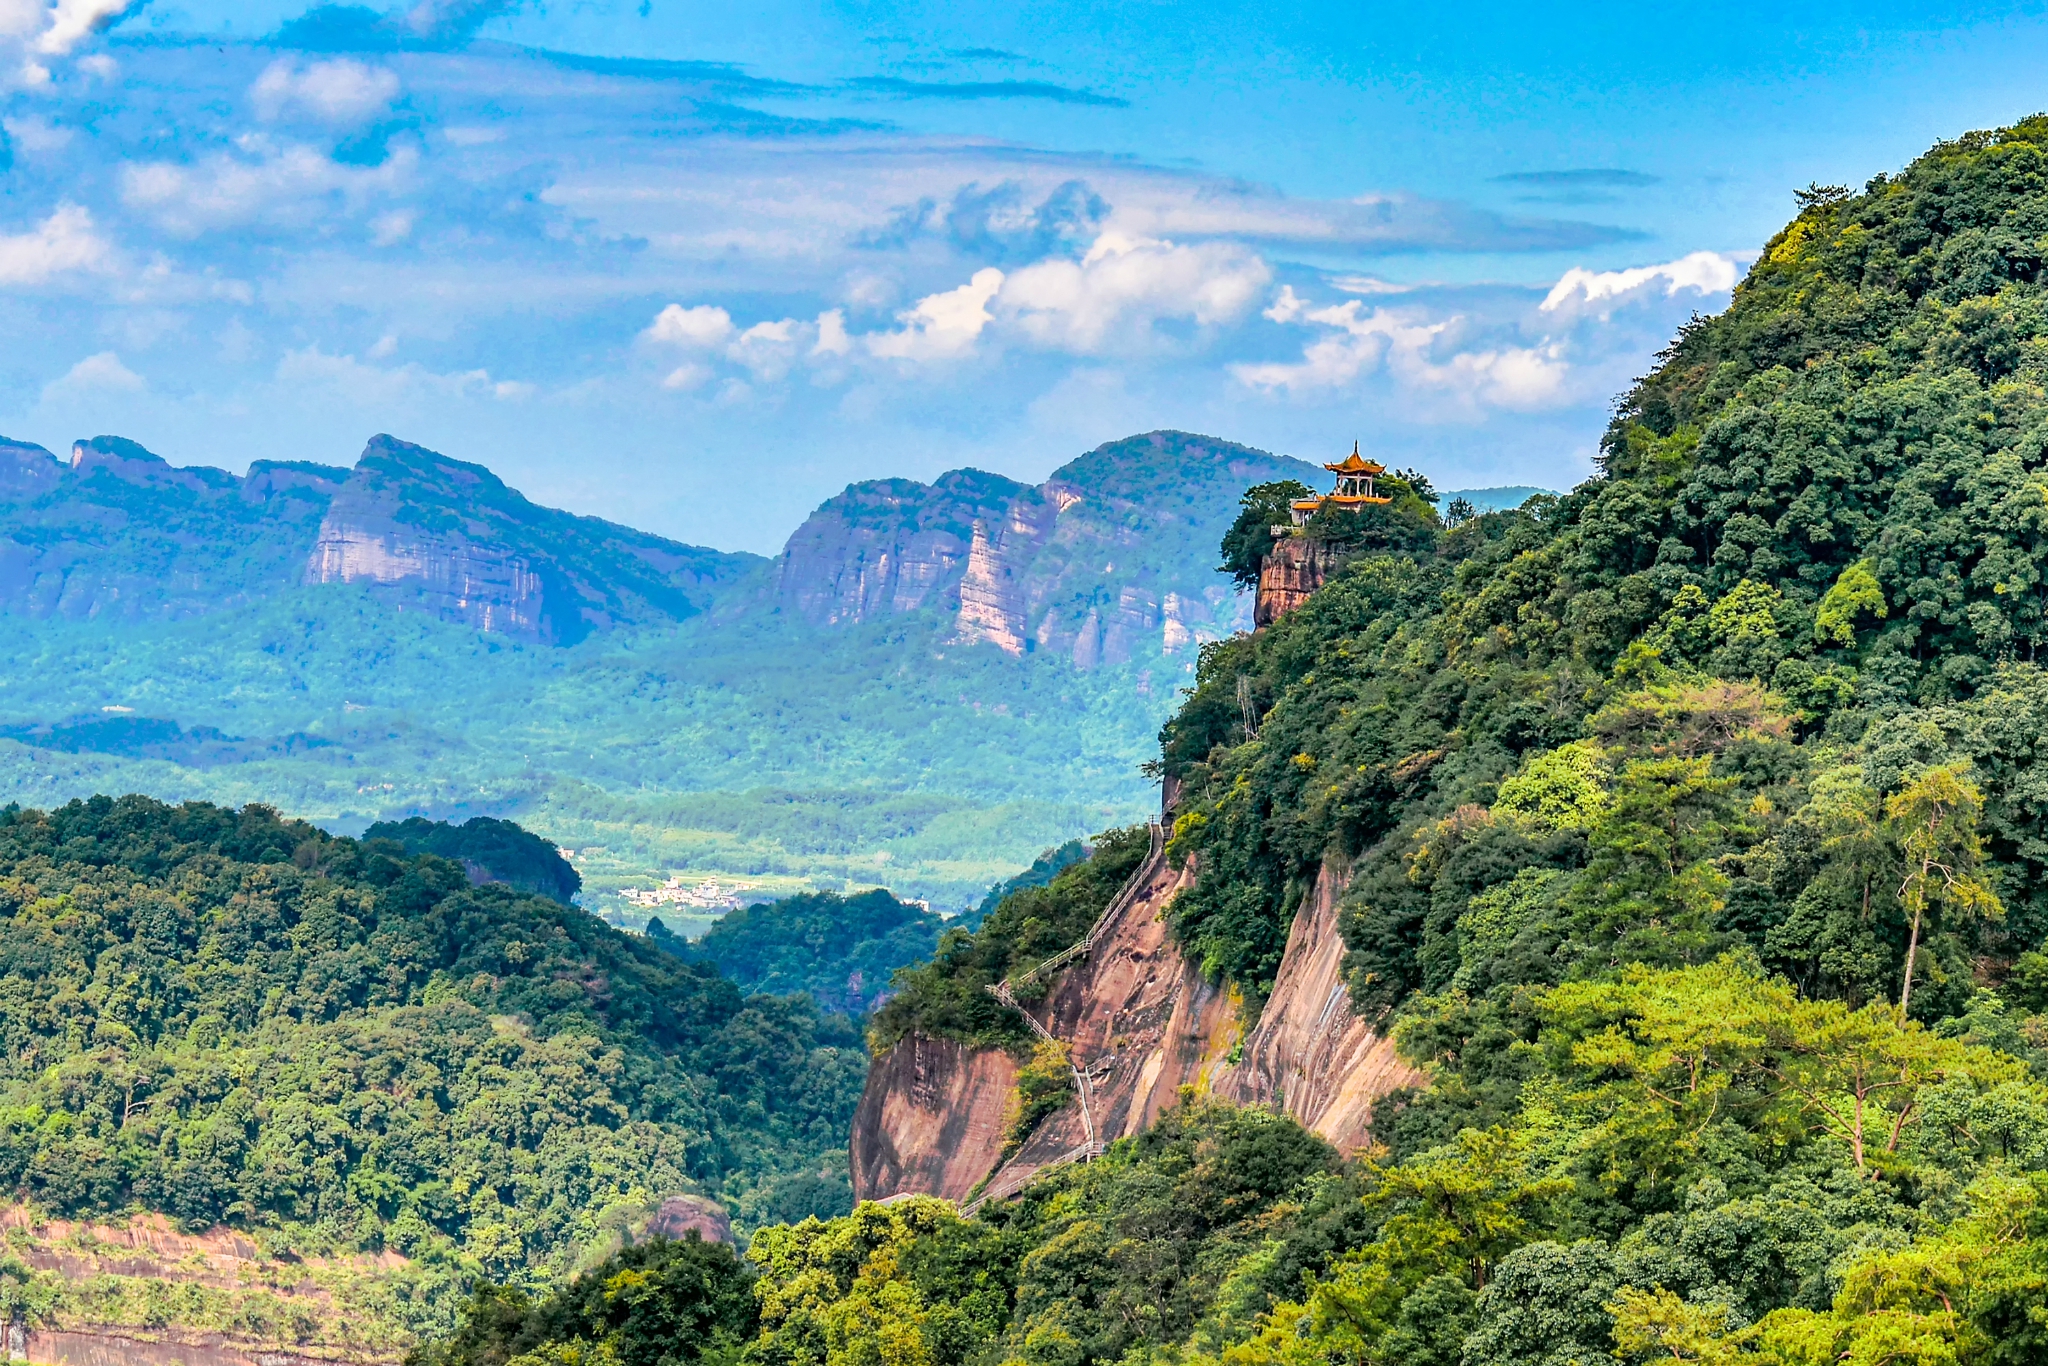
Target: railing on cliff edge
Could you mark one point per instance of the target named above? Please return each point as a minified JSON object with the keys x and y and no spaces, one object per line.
{"x":1091,"y":1145}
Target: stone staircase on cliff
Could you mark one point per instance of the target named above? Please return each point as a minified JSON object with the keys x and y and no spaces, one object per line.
{"x":1091,"y":1145}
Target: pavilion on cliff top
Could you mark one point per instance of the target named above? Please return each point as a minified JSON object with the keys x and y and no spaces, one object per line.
{"x":1354,"y":487}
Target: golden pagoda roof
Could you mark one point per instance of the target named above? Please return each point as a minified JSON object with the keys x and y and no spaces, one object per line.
{"x":1355,"y":463}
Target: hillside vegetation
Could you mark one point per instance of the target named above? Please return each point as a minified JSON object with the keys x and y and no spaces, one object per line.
{"x":840,"y":950}
{"x":1696,"y":847}
{"x":229,"y":1017}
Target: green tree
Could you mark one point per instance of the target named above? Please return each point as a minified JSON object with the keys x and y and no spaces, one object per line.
{"x":1250,"y":538}
{"x":1935,"y":821}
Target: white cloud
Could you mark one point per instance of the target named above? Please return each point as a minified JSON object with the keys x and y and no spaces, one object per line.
{"x":941,"y":326}
{"x":768,"y":349}
{"x":287,"y":183}
{"x":832,"y":338}
{"x":389,"y":229}
{"x":686,"y":376}
{"x":1406,"y":345}
{"x":364,"y":384}
{"x":1124,"y":285}
{"x":102,"y":373}
{"x":71,"y":22}
{"x":36,"y":135}
{"x":1286,"y":307}
{"x":340,"y":92}
{"x":701,"y":326}
{"x":63,"y":242}
{"x":1703,"y":272}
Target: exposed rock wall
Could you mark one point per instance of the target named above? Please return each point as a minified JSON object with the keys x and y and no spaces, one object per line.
{"x":931,"y":1119}
{"x":449,"y":538}
{"x":159,"y":1347}
{"x":1111,"y":558}
{"x":1141,"y":1023}
{"x":1309,"y":1055}
{"x":890,"y":546}
{"x":119,"y":531}
{"x":1296,"y":568}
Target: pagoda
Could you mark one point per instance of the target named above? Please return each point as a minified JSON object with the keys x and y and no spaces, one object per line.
{"x":1354,"y":487}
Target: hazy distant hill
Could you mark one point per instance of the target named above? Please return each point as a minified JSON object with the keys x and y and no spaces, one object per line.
{"x":1498,"y":499}
{"x":119,"y":532}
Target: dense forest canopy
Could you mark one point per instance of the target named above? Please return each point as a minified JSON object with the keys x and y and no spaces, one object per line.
{"x":840,"y":950}
{"x":230,"y":1017}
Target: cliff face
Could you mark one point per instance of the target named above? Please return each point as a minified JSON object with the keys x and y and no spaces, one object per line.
{"x":1310,"y":1056}
{"x":1109,"y":558}
{"x":931,"y":1119}
{"x":304,"y":1323}
{"x":451,"y":539}
{"x":1296,"y":568}
{"x":1140,"y":1023}
{"x":889,"y":546}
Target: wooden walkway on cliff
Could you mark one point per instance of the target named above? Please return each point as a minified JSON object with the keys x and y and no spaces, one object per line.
{"x":1091,"y":1144}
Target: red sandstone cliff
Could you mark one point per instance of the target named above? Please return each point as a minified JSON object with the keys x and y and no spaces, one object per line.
{"x":1141,"y":1023}
{"x":931,"y":1119}
{"x":1296,"y":568}
{"x":1310,"y":1056}
{"x":277,"y":1311}
{"x":449,"y":538}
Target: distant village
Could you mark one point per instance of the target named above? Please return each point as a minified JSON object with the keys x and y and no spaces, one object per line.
{"x":708,"y":895}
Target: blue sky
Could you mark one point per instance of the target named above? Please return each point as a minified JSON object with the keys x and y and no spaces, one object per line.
{"x":697,"y":267}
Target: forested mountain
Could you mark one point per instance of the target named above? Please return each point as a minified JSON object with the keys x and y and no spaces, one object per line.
{"x":344,"y":1050}
{"x":1693,"y":836}
{"x":118,"y":532}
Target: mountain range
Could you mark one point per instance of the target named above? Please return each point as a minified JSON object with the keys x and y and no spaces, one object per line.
{"x":931,"y":684}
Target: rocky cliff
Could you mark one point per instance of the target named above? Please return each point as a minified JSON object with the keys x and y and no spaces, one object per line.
{"x":1309,"y":1055}
{"x":117,"y":531}
{"x":1110,"y":558}
{"x":1296,"y":567}
{"x":931,"y":1118}
{"x":260,"y":1310}
{"x":451,"y":539}
{"x":1140,"y":1023}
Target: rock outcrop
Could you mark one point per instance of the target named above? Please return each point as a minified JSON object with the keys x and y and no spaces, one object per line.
{"x":890,"y":546}
{"x":1110,"y":558}
{"x":1296,"y":567}
{"x":1140,"y":1023}
{"x":1310,"y":1056}
{"x":301,"y":1320}
{"x":119,"y":531}
{"x":449,"y":538}
{"x":931,"y":1119}
{"x":681,"y":1215}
